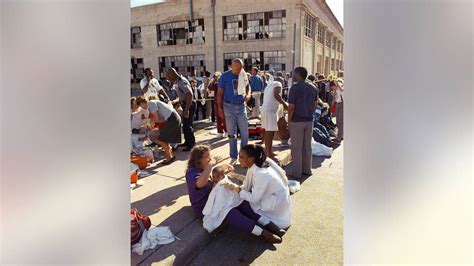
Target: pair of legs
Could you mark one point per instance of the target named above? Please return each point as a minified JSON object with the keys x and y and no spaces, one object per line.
{"x":256,"y":109}
{"x":244,"y":218}
{"x":268,"y":142}
{"x":301,"y":134}
{"x":340,"y":120}
{"x":189,"y":140}
{"x":220,"y":121}
{"x":236,"y":118}
{"x":153,"y":135}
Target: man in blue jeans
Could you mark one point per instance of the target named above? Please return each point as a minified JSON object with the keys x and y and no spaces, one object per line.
{"x":231,"y":105}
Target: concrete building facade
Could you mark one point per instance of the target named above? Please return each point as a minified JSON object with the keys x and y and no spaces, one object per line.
{"x":204,"y":35}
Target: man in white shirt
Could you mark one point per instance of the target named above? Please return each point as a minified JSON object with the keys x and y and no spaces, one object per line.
{"x":151,"y":87}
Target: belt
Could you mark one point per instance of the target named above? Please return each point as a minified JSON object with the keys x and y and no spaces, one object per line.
{"x":229,"y":102}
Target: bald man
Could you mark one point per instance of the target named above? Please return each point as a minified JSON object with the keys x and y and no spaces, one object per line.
{"x":185,"y":95}
{"x":231,"y":106}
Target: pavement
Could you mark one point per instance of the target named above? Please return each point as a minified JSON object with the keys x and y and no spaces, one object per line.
{"x":315,"y":236}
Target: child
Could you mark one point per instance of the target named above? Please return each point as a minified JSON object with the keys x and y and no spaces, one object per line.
{"x":221,"y":200}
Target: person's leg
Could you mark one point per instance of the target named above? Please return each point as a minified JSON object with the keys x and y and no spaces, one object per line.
{"x":243,"y":124}
{"x":268,"y":142}
{"x":237,"y":219}
{"x":307,"y":155}
{"x":192,"y":140}
{"x":296,"y":135}
{"x":256,"y":110}
{"x":166,"y":148}
{"x":213,"y":110}
{"x":231,"y":125}
{"x":340,"y":120}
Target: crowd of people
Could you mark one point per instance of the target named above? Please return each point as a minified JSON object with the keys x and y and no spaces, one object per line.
{"x":284,"y":104}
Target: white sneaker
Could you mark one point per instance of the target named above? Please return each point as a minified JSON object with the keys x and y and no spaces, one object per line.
{"x":233,"y":161}
{"x":220,"y":135}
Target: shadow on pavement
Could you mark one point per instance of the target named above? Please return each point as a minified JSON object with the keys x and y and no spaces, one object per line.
{"x":233,"y":253}
{"x":167,"y":197}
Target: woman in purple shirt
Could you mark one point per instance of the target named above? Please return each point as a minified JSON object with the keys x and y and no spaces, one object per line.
{"x":200,"y":165}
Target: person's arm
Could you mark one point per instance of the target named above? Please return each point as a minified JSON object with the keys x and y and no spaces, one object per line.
{"x":163,"y":93}
{"x":257,"y":193}
{"x":203,"y":179}
{"x":247,"y":92}
{"x":291,"y":111}
{"x":145,"y":87}
{"x":219,"y":98}
{"x":277,"y":95}
{"x":189,"y":100}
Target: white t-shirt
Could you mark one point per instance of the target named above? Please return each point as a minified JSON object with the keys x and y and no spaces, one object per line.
{"x":153,"y":88}
{"x":270,"y":104}
{"x":138,"y":116}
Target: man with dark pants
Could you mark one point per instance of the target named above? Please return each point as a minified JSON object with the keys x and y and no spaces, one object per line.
{"x":232,"y":94}
{"x":188,"y":105}
{"x":303,"y":100}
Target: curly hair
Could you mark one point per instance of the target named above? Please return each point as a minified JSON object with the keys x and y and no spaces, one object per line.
{"x":196,"y":154}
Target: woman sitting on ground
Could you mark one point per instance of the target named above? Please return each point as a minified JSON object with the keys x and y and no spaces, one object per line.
{"x":199,"y":185}
{"x":170,"y":133}
{"x":265,"y":186}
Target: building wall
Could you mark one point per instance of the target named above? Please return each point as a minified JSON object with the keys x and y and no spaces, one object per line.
{"x":147,"y":17}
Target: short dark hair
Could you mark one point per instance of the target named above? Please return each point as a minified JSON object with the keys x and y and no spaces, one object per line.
{"x":147,"y":69}
{"x":302,"y":72}
{"x":312,"y":77}
{"x":141,"y":100}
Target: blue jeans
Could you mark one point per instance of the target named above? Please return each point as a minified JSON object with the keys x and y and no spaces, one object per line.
{"x":236,"y":116}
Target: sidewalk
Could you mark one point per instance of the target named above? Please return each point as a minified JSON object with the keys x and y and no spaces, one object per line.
{"x":164,"y":197}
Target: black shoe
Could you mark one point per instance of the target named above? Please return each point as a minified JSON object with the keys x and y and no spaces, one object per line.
{"x":188,"y":148}
{"x":183,"y":145}
{"x":169,"y":161}
{"x":274,"y":229}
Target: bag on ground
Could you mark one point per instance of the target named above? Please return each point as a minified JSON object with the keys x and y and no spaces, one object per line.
{"x":318,"y":149}
{"x":139,"y":223}
{"x":321,"y":137}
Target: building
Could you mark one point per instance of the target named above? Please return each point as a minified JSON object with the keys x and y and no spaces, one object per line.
{"x":205,"y":35}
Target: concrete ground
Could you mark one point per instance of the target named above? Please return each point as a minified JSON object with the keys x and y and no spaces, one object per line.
{"x":315,"y":236}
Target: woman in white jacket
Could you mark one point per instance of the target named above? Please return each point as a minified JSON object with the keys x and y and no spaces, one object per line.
{"x":265,"y":186}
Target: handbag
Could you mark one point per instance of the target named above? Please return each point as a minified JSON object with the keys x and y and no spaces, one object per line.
{"x":138,"y":224}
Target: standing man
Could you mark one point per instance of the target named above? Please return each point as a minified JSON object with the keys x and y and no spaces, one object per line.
{"x":151,"y":87}
{"x":185,"y":95}
{"x":232,"y":94}
{"x":303,"y":100}
{"x":256,"y":85}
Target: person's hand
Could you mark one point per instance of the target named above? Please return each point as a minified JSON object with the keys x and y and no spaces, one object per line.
{"x":231,"y":186}
{"x":229,"y":167}
{"x":215,"y":160}
{"x":185,"y":113}
{"x":246,"y":97}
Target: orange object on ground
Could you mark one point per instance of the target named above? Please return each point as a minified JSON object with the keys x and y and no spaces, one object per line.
{"x":141,"y":161}
{"x":133,"y":177}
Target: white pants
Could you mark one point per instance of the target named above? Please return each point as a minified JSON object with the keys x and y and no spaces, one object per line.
{"x":256,"y":110}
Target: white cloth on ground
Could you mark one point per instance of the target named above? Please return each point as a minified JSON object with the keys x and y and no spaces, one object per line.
{"x":242,"y":82}
{"x":266,"y":189}
{"x":160,"y":235}
{"x":318,"y":149}
{"x":220,"y":201}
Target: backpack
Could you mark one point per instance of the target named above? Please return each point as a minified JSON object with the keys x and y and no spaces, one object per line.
{"x":139,"y":223}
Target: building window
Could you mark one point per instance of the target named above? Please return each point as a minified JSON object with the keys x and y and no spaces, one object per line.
{"x":233,"y":28}
{"x":341,"y":65}
{"x":265,"y":60}
{"x":308,"y":25}
{"x":334,"y":41}
{"x":328,"y":39}
{"x":320,"y":33}
{"x":332,"y":64}
{"x":181,"y":32}
{"x":136,"y":37}
{"x":137,"y":70}
{"x":252,"y":26}
{"x":342,"y":47}
{"x":186,"y":65}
